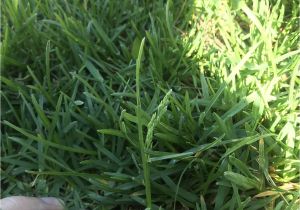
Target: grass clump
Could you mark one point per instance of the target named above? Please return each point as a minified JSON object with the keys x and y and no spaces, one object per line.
{"x":158,"y":105}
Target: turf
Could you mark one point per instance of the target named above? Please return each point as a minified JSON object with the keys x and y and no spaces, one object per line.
{"x":151,"y":104}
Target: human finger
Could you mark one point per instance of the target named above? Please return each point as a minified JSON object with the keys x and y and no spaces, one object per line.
{"x":31,"y":203}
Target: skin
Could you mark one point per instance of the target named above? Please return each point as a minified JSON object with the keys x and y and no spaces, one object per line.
{"x":31,"y":203}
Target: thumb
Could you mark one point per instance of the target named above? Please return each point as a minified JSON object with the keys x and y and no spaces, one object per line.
{"x":31,"y":203}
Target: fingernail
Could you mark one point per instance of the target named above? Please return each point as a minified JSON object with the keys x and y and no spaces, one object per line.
{"x":53,"y":201}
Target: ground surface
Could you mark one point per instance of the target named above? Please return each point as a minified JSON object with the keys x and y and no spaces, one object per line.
{"x":171,"y":104}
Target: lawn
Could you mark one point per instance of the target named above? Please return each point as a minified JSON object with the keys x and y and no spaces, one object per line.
{"x":136,"y":104}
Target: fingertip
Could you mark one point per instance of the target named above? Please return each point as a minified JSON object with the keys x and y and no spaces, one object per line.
{"x":31,"y":203}
{"x":53,"y":202}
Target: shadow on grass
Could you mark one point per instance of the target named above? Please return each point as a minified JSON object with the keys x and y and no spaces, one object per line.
{"x":69,"y":127}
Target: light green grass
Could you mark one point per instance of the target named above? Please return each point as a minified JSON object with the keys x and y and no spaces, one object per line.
{"x":161,"y":105}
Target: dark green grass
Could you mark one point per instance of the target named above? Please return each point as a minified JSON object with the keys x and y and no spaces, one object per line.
{"x":163,"y":104}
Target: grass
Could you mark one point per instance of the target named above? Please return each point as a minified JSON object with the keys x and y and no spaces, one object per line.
{"x":161,"y":105}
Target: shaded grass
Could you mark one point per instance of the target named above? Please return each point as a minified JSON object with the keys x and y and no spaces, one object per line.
{"x":87,"y":117}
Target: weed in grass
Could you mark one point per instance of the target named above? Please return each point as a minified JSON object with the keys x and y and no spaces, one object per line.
{"x":87,"y":113}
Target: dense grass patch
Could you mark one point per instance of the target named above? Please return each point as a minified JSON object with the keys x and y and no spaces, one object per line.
{"x":161,"y":104}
